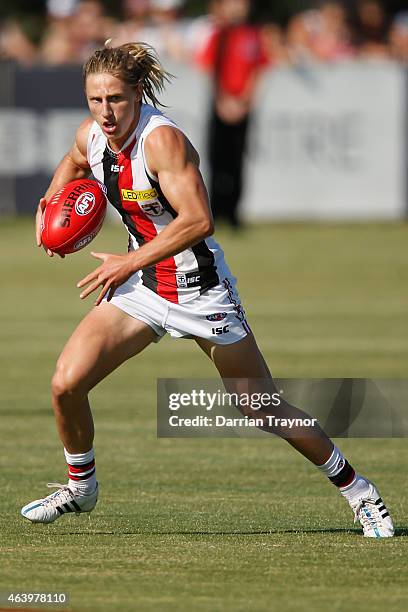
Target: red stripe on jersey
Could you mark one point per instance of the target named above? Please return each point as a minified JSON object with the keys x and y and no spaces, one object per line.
{"x":166,"y":269}
{"x":166,"y":280}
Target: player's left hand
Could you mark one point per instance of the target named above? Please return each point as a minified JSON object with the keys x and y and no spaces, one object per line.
{"x":113,"y":272}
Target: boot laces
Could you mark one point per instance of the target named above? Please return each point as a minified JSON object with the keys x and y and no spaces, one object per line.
{"x":63,"y":495}
{"x":372,"y":518}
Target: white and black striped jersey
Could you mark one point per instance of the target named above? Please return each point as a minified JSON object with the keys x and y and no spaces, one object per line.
{"x":135,"y":193}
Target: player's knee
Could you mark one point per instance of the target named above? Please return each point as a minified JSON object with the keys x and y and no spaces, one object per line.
{"x":65,"y":382}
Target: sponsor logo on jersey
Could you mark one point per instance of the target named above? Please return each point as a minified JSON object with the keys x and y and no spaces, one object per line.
{"x":84,"y":241}
{"x":129,"y":195}
{"x":217,"y":316}
{"x":116,"y":168}
{"x":183,"y":281}
{"x":85,"y":203}
{"x":153,"y":209}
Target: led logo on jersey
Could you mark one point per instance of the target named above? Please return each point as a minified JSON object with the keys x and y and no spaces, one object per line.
{"x":85,"y":203}
{"x":133,"y":196}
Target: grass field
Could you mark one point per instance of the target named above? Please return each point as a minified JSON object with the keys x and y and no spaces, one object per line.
{"x":208,"y":525}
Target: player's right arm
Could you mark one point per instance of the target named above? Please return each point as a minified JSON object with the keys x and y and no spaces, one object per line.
{"x":74,"y":165}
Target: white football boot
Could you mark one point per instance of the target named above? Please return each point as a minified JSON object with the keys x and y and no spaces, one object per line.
{"x":373,"y":515}
{"x":59,"y":503}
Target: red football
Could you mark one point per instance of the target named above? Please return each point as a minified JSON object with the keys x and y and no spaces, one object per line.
{"x":73,"y":216}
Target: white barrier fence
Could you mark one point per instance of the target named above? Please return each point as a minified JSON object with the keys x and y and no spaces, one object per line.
{"x":326,"y":142}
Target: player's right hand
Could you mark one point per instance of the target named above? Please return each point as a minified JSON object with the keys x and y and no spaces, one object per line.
{"x":38,"y":225}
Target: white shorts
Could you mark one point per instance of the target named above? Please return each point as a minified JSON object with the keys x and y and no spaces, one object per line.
{"x":216,"y":315}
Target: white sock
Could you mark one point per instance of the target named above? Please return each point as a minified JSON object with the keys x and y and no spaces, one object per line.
{"x":337,"y":469}
{"x":357,"y":490}
{"x":81,"y":471}
{"x":351,"y":485}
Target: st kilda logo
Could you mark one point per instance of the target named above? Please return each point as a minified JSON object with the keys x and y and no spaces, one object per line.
{"x":85,"y":203}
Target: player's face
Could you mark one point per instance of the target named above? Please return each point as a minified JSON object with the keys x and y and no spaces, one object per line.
{"x":114,"y":105}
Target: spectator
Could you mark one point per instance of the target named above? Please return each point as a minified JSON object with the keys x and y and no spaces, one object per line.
{"x":59,"y":9}
{"x":89,"y":28}
{"x":171,"y":28}
{"x":333,"y":41}
{"x":57,"y":46}
{"x":158,"y":23}
{"x":399,"y":38}
{"x":234,"y":56}
{"x":371,"y":29}
{"x":76,"y":27}
{"x":321,"y":34}
{"x":16,"y":44}
{"x":302,"y":29}
{"x":136,"y":20}
{"x":75,"y":30}
{"x":201,"y":30}
{"x":273,"y":41}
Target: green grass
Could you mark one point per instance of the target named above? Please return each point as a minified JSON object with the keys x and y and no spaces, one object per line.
{"x":207,"y":525}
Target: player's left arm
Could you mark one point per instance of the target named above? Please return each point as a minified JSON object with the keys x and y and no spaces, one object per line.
{"x":173,"y":159}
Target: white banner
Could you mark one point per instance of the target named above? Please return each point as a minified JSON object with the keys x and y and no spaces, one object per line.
{"x":329,"y":143}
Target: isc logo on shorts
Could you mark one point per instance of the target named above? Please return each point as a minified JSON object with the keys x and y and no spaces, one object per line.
{"x":130,"y":195}
{"x":217,"y":331}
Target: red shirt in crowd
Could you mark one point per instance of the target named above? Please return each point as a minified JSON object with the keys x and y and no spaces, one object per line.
{"x":234,"y":54}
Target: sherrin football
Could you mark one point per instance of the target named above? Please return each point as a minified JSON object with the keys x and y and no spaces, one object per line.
{"x":73,"y":216}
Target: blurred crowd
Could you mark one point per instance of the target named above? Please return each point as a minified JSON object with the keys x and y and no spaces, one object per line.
{"x":330,"y":32}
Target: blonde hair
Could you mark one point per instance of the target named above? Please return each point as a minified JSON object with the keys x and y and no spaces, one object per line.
{"x":133,"y":63}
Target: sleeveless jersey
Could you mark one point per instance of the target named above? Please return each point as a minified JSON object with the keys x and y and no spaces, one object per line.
{"x":136,"y":194}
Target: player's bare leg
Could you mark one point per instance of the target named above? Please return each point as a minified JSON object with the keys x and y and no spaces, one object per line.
{"x":102,"y":341}
{"x":244,"y":361}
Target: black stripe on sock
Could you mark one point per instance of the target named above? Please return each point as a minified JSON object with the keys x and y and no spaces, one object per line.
{"x":345,"y":475}
{"x":84,"y":477}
